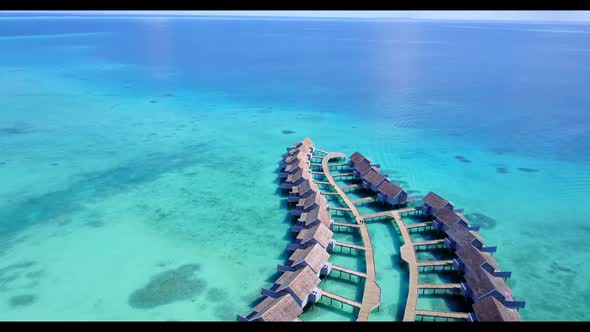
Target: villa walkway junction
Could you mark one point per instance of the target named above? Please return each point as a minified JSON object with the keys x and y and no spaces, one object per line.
{"x":311,"y":178}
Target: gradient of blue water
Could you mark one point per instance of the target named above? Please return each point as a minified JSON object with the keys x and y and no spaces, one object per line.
{"x":509,"y":84}
{"x":440,"y":88}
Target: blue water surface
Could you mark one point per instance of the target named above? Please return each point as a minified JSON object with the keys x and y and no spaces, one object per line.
{"x":141,"y":145}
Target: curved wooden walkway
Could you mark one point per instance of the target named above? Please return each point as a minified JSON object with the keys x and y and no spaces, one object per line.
{"x":408,"y":255}
{"x":372,"y":291}
{"x":410,"y":258}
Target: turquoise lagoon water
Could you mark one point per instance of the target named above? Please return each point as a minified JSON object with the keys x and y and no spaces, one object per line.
{"x":139,"y":155}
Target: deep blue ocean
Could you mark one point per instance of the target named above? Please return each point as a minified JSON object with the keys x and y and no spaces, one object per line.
{"x":134,"y":146}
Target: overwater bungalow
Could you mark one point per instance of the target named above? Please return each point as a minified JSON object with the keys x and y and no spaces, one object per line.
{"x":315,"y":257}
{"x":372,"y":179}
{"x":294,"y":159}
{"x":459,"y":236}
{"x":295,"y":179}
{"x":355,"y":158}
{"x":481,"y":284}
{"x":294,"y":151}
{"x":309,"y":202}
{"x":491,"y":309}
{"x":301,"y":284}
{"x":283,"y":308}
{"x":318,"y":233}
{"x":470,"y":258}
{"x":390,"y":193}
{"x":433,"y":203}
{"x":306,"y":188}
{"x":361,"y":168}
{"x":313,"y":217}
{"x":444,"y":219}
{"x":306,"y":143}
{"x":294,"y":167}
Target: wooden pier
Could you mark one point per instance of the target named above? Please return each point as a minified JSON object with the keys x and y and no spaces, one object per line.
{"x":408,"y":255}
{"x":427,"y":224}
{"x":341,"y":299}
{"x":408,"y":211}
{"x":436,"y":265}
{"x":338,"y":165}
{"x":337,"y":175}
{"x":439,"y":286}
{"x":350,"y":186}
{"x":372,"y":291}
{"x":386,"y":214}
{"x":364,"y":200}
{"x":430,"y":243}
{"x":442,"y":314}
{"x":343,"y":224}
{"x":348,"y":245}
{"x":336,"y":208}
{"x":453,"y":288}
{"x":348,"y":271}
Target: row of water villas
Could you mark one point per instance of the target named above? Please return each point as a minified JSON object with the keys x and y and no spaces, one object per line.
{"x":372,"y":179}
{"x":485,"y":284}
{"x":298,"y":284}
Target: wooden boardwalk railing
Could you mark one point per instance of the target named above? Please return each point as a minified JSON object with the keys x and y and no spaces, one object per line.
{"x":372,"y":291}
{"x":442,"y":314}
{"x":349,"y":271}
{"x":341,"y":299}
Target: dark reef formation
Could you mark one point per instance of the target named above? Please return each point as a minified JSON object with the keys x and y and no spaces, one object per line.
{"x":501,"y":170}
{"x":22,"y":300}
{"x":169,"y":286}
{"x":528,"y":170}
{"x":17,"y":129}
{"x":217,"y":295}
{"x":462,"y":159}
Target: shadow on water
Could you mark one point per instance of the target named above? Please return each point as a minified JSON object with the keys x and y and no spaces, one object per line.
{"x":272,"y":278}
